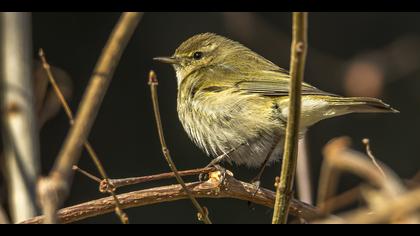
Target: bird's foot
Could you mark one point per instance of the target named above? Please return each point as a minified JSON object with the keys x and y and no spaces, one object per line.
{"x":222,"y":174}
{"x":256,"y":182}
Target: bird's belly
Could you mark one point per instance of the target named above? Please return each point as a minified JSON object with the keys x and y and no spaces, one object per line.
{"x":256,"y":151}
{"x":246,"y":138}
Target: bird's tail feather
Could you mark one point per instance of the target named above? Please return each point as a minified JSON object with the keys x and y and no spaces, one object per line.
{"x":362,"y":104}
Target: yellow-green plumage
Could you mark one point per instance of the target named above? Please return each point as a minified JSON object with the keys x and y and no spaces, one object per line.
{"x":229,"y":98}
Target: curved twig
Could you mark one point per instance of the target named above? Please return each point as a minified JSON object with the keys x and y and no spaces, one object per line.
{"x":202,"y":212}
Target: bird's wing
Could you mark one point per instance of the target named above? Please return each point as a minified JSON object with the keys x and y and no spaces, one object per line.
{"x":275,"y":84}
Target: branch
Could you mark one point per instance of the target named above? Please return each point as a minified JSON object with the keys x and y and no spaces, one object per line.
{"x":394,"y":209}
{"x":341,"y":158}
{"x":88,"y":147}
{"x":284,"y":188}
{"x":213,"y":188}
{"x":202,"y":211}
{"x":366,"y":142}
{"x":104,"y":186}
{"x":118,"y":183}
{"x":20,"y":131}
{"x":52,"y":190}
{"x":387,"y":203}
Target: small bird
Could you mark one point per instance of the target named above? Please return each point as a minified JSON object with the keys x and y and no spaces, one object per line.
{"x":233,"y":103}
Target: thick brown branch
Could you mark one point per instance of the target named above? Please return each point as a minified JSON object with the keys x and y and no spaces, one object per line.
{"x":230,"y":188}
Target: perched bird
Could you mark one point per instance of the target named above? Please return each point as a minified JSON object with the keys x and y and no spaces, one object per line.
{"x":233,"y":103}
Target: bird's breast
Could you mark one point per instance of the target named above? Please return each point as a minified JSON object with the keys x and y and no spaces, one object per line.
{"x":224,"y":120}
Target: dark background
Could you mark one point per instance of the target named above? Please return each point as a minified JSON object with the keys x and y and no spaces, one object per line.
{"x":124,"y":134}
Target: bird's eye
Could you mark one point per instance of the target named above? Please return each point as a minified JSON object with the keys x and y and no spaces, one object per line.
{"x":197,"y":55}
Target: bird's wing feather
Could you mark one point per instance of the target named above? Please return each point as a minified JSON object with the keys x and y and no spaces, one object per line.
{"x":275,"y":84}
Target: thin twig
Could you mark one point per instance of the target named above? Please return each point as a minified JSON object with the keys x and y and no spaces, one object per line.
{"x":394,"y":210}
{"x":118,"y":183}
{"x":202,"y":211}
{"x":297,"y":65}
{"x":339,"y":155}
{"x":327,"y":186}
{"x":87,"y":174}
{"x":384,"y":204}
{"x":213,"y":188}
{"x":121,"y":215}
{"x":366,"y":142}
{"x":342,"y":200}
{"x":53,"y":189}
{"x":352,"y":195}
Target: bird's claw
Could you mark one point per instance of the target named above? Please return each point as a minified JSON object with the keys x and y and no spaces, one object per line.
{"x":221,"y":174}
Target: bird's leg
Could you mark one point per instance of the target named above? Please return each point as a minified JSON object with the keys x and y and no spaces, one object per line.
{"x":256,"y":180}
{"x":215,"y":162}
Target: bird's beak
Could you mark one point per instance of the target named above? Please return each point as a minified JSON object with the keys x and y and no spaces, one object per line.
{"x":169,"y":60}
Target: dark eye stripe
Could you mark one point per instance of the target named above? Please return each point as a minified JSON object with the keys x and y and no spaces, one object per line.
{"x":214,"y":89}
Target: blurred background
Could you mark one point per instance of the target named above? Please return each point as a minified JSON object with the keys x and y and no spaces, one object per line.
{"x":352,"y":54}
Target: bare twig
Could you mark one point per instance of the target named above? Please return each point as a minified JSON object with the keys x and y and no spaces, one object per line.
{"x":87,"y":174}
{"x":327,"y":186}
{"x":303,"y":178}
{"x":366,"y":142}
{"x":338,"y":158}
{"x":393,"y":210}
{"x":336,"y":202}
{"x":297,"y":65}
{"x":20,"y":129}
{"x":342,"y":158}
{"x":46,"y":102}
{"x":352,"y":195}
{"x":53,"y":189}
{"x":213,"y":188}
{"x":202,"y":211}
{"x":122,"y":216}
{"x":118,"y":183}
{"x":384,"y":204}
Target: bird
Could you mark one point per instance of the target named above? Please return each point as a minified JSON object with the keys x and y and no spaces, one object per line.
{"x":233,"y":103}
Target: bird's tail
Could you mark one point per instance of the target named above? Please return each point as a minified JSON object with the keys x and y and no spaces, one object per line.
{"x":362,"y":104}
